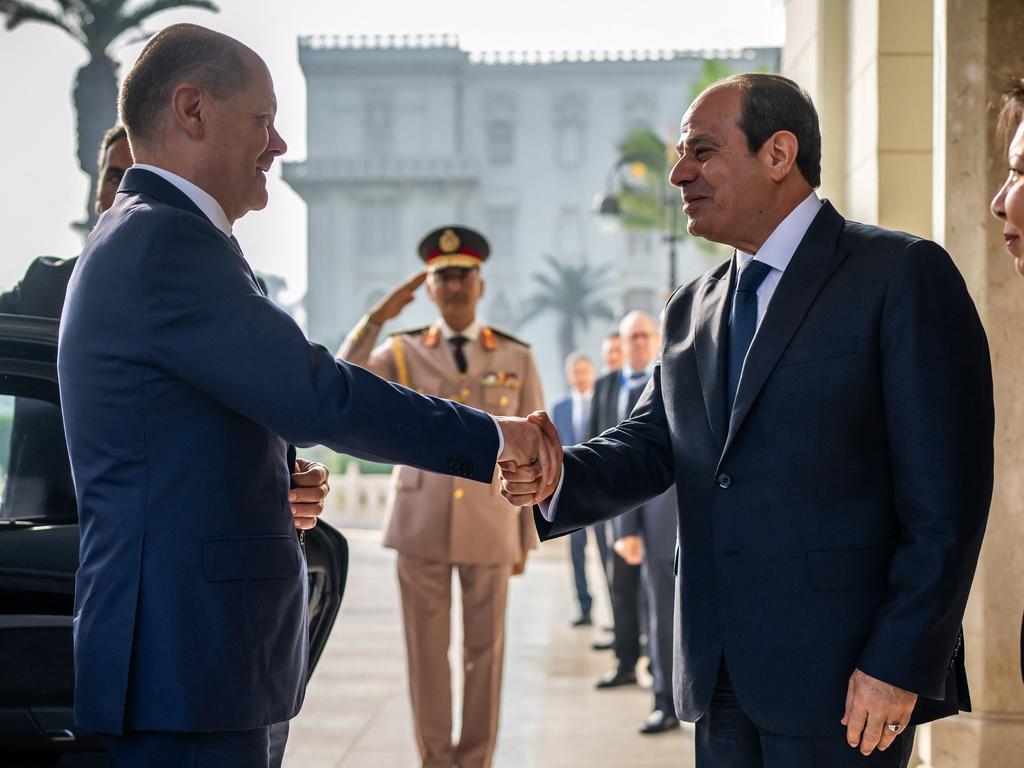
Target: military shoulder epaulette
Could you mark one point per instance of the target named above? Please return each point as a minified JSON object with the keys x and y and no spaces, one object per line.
{"x":411,"y":331}
{"x":507,"y":336}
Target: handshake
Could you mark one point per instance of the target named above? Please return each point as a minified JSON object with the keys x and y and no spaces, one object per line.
{"x":531,"y":461}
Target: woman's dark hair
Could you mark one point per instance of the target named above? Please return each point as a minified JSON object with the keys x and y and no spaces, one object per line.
{"x":1011,"y":111}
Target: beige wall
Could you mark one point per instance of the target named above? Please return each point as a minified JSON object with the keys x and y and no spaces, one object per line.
{"x":916,"y":152}
{"x":868,"y":66}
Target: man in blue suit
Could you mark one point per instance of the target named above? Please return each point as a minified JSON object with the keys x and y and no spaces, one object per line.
{"x":181,"y":387}
{"x":571,"y":415}
{"x":824,"y":406}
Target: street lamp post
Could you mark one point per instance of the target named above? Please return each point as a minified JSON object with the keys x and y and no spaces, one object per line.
{"x":608,"y":209}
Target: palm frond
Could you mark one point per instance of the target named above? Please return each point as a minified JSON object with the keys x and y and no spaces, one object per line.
{"x":18,"y":13}
{"x":140,"y":13}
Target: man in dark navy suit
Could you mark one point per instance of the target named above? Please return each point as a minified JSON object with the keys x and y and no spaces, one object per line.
{"x":181,"y":387}
{"x":823,"y":404}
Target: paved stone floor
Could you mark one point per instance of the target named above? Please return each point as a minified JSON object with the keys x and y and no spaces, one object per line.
{"x":356,"y":712}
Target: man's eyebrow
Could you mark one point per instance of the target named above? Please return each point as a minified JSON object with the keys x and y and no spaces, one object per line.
{"x":698,"y":138}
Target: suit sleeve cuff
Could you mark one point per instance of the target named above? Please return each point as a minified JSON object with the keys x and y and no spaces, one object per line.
{"x":501,"y":439}
{"x":549,"y":507}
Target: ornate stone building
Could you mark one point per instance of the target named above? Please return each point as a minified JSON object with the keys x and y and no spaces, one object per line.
{"x":405,"y":134}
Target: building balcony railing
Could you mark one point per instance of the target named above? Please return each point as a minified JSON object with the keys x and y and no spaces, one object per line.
{"x":362,"y":170}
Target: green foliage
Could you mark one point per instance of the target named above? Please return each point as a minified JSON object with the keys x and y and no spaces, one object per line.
{"x":338,"y":463}
{"x":575,"y":293}
{"x":711,"y":72}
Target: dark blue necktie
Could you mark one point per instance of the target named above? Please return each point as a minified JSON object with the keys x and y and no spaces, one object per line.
{"x":744,"y":322}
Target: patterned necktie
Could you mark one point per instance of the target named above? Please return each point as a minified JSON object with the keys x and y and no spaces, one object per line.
{"x":744,"y":322}
{"x":458,"y":343}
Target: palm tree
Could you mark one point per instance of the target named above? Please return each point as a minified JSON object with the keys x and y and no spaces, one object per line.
{"x":97,"y":25}
{"x":576,"y":293}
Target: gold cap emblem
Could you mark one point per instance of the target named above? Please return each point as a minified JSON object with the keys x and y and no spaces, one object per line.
{"x":449,"y":241}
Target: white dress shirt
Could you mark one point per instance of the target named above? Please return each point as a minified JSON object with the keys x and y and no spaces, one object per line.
{"x":777,"y":251}
{"x":628,"y":386}
{"x":202,"y":199}
{"x":581,"y":402}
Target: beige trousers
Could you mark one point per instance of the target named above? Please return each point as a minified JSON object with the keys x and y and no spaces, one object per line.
{"x":426,"y":609}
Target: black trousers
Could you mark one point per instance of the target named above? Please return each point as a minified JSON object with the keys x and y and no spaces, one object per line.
{"x":624,"y":586}
{"x":238,"y":749}
{"x":660,"y":584}
{"x":725,"y":736}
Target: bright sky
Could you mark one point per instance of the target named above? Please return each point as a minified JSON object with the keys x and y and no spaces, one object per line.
{"x":43,"y":190}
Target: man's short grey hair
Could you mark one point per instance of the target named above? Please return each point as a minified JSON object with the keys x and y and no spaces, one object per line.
{"x":181,"y":53}
{"x":576,"y":357}
{"x":631,"y":317}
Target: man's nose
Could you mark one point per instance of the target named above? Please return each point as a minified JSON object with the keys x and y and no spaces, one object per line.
{"x":277,"y":144}
{"x":683,"y":171}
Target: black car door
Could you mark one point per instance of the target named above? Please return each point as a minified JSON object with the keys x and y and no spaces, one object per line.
{"x":39,"y":557}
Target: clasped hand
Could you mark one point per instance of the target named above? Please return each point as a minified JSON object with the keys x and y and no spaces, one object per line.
{"x":531,"y":462}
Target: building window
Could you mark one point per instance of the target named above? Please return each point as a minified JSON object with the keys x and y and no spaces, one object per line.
{"x":569,"y":111}
{"x":378,"y":124}
{"x":500,"y":143}
{"x":378,"y":228}
{"x":500,"y":228}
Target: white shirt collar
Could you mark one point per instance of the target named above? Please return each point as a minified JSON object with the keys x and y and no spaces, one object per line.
{"x":203,"y":200}
{"x":627,"y":370}
{"x":581,"y":397}
{"x":782,"y":243}
{"x":471,"y":332}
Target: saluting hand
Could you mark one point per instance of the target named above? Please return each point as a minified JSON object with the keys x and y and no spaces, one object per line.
{"x":308,"y":492}
{"x":391,"y":306}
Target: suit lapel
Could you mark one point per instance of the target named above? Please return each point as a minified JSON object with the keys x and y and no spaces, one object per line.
{"x":710,"y":342}
{"x":813,"y":263}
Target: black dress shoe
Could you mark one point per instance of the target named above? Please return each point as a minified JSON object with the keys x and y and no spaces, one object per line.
{"x":607,"y":645}
{"x":583,"y":621}
{"x":659,"y":721}
{"x":617,"y":677}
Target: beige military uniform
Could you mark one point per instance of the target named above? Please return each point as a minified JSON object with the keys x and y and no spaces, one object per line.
{"x":437,"y":523}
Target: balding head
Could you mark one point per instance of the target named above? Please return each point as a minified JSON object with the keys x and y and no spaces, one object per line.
{"x":640,"y":338}
{"x":181,"y":53}
{"x":202,"y":105}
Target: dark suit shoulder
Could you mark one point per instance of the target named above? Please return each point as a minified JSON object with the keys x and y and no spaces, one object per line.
{"x":607,"y":380}
{"x":857,"y":237}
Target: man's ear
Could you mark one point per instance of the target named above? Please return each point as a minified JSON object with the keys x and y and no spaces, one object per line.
{"x":778,"y":154}
{"x":483,"y":287}
{"x":188,"y":102}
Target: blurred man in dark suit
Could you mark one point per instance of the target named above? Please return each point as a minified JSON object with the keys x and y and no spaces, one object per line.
{"x":615,"y":394}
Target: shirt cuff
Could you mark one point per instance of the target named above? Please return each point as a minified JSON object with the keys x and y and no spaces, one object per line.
{"x":549,"y":507}
{"x":501,"y":439}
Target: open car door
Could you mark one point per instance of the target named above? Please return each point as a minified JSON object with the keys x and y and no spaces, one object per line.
{"x":39,"y":557}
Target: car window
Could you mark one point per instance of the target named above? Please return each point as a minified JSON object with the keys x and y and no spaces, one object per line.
{"x":35,"y":475}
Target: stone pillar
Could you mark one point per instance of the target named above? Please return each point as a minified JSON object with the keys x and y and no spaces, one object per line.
{"x":979,"y":44}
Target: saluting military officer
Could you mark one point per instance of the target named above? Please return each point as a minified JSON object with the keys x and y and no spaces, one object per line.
{"x":438,"y":523}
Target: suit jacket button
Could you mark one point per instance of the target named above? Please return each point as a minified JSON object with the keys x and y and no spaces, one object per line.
{"x":724,"y":480}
